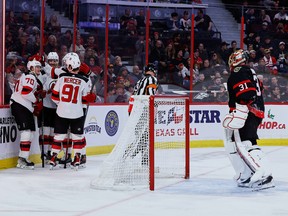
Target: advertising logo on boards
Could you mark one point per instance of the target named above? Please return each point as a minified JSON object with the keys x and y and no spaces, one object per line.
{"x":111,"y":123}
{"x":272,"y":123}
{"x":8,"y":130}
{"x":93,"y":127}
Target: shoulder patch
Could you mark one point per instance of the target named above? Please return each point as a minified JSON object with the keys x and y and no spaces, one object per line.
{"x":237,"y":69}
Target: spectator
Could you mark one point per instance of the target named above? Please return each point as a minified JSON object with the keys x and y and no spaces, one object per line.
{"x":63,"y":51}
{"x":280,"y":52}
{"x":111,"y":95}
{"x":185,"y":21}
{"x":283,"y":65}
{"x":131,"y":28}
{"x":223,"y":52}
{"x":270,"y":61}
{"x":111,"y":75}
{"x":66,"y":39}
{"x":94,"y":65}
{"x":117,"y":65}
{"x":135,"y":75}
{"x":275,"y":95}
{"x":90,"y":43}
{"x":201,"y":83}
{"x":250,"y":19}
{"x":185,"y":73}
{"x":34,"y":46}
{"x":111,"y":58}
{"x":79,"y":48}
{"x":267,"y":43}
{"x":280,"y":32}
{"x":53,"y":26}
{"x":140,"y":50}
{"x":51,"y":45}
{"x":158,"y":58}
{"x":123,"y":72}
{"x":25,"y":20}
{"x":120,"y":93}
{"x":89,"y":52}
{"x":233,"y":47}
{"x":222,"y":96}
{"x":263,"y":17}
{"x":281,"y":15}
{"x":216,"y":60}
{"x":264,"y":31}
{"x":203,"y":22}
{"x":21,"y":45}
{"x":203,"y":54}
{"x":206,"y":70}
{"x":253,"y":58}
{"x":140,"y":19}
{"x":125,"y":18}
{"x":173,"y":24}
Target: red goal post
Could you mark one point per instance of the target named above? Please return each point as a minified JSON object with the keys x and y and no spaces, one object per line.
{"x":152,"y":136}
{"x":154,"y":144}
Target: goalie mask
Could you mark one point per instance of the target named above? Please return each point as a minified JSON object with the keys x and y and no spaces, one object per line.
{"x":150,"y":67}
{"x":237,"y":58}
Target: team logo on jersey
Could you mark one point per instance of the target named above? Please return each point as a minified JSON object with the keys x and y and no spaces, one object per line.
{"x":111,"y":123}
{"x":93,"y":127}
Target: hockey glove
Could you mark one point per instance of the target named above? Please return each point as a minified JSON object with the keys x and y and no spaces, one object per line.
{"x":89,"y":98}
{"x":236,"y":119}
{"x":38,"y":106}
{"x":40,"y":94}
{"x":85,"y":69}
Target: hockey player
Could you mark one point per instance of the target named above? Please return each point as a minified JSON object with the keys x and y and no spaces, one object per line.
{"x":148,"y":85}
{"x":71,"y":91}
{"x":24,"y":103}
{"x":49,"y":110}
{"x":246,"y":113}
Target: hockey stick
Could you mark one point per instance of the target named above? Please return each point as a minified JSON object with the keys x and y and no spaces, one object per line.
{"x":67,"y":146}
{"x":42,"y":131}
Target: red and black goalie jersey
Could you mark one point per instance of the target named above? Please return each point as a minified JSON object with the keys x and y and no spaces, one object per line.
{"x":245,"y":88}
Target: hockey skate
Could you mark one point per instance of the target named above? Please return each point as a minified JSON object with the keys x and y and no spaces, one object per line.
{"x":53,"y":161}
{"x":262,"y":184}
{"x":76,"y":162}
{"x":24,"y":163}
{"x":47,"y":157}
{"x":83,"y":161}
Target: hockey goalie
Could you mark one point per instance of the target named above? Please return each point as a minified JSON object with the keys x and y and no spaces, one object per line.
{"x":246,"y":106}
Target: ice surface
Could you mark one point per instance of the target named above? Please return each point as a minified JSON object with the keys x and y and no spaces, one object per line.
{"x":210,"y":191}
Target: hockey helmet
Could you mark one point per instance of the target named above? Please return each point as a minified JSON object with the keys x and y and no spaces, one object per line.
{"x":150,"y":67}
{"x":32,"y":64}
{"x":53,"y":56}
{"x":237,"y":58}
{"x":73,"y":63}
{"x":68,"y":55}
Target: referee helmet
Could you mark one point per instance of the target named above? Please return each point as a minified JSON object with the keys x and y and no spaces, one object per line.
{"x":151,"y":67}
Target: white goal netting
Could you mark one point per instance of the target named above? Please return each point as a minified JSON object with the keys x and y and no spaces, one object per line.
{"x":130,"y":163}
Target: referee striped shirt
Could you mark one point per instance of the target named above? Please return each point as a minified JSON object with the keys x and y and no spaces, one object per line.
{"x":148,"y":85}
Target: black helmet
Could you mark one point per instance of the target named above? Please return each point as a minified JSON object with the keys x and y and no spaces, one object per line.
{"x":151,"y":67}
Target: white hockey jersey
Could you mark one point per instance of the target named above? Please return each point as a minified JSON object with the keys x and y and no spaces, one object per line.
{"x":67,"y":94}
{"x":24,"y":91}
{"x":48,"y":86}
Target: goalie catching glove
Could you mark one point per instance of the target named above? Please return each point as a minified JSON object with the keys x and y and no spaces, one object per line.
{"x":236,"y":119}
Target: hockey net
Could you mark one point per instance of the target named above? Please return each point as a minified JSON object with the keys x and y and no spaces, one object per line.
{"x":154,"y":144}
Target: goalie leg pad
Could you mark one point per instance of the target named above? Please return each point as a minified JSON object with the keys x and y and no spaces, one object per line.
{"x":243,"y":172}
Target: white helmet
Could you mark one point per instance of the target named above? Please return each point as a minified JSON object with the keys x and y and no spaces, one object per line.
{"x":68,"y":55}
{"x":73,"y":62}
{"x":53,"y":56}
{"x":32,"y":64}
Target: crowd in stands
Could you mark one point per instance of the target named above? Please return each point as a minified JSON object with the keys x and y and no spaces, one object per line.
{"x":266,"y":41}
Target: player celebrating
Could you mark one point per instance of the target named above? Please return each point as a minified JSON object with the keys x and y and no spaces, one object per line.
{"x":246,"y":113}
{"x":49,"y":110}
{"x":23,"y":105}
{"x":70,"y":92}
